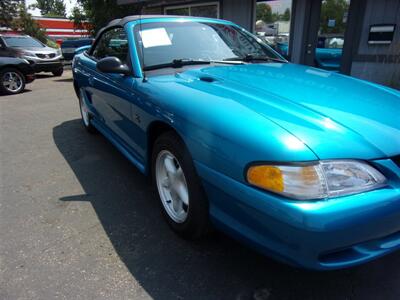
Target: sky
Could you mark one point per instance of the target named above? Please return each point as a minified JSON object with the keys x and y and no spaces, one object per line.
{"x":68,"y":3}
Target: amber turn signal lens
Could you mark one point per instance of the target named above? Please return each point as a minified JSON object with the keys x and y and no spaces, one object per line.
{"x":266,"y":177}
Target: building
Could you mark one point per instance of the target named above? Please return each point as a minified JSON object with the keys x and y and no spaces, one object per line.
{"x":241,"y":12}
{"x":58,"y":28}
{"x":371,"y":49}
{"x":61,"y":28}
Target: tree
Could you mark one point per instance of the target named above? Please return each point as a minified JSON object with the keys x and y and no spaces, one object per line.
{"x":333,"y":10}
{"x":264,"y":13}
{"x":24,"y":23}
{"x":51,"y":8}
{"x":8,"y":10}
{"x":286,"y":15}
{"x":78,"y":17}
{"x":99,"y":12}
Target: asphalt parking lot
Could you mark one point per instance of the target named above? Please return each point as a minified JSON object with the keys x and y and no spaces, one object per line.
{"x":77,"y":221}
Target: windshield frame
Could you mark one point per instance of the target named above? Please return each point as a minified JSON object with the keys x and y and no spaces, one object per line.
{"x":137,"y":26}
{"x":5,"y":38}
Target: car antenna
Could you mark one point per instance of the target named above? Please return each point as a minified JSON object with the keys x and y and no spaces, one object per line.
{"x":141,"y":42}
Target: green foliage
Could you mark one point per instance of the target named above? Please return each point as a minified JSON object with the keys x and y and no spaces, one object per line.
{"x":8,"y":10}
{"x":99,"y":12}
{"x":25,"y":24}
{"x":78,"y":17}
{"x":52,"y":44}
{"x":333,"y":10}
{"x":51,"y":8}
{"x":13,"y":14}
{"x":264,"y":13}
{"x":286,"y":15}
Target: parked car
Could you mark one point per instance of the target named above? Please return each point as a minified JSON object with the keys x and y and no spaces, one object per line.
{"x":15,"y":73}
{"x":330,"y":41}
{"x":301,"y":163}
{"x":42,"y":57}
{"x":328,"y":53}
{"x":68,"y":47}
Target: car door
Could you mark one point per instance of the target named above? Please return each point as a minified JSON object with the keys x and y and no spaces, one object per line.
{"x":3,"y":49}
{"x":113,"y":95}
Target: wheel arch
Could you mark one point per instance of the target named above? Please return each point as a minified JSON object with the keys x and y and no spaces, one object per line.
{"x":154,"y":130}
{"x":15,"y":67}
{"x":76,"y":88}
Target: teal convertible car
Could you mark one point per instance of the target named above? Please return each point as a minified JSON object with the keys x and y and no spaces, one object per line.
{"x":300,"y":163}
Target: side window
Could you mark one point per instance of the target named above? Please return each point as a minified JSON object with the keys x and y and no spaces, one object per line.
{"x":113,"y":42}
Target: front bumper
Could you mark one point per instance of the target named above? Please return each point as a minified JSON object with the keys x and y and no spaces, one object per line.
{"x":45,"y":65}
{"x":322,"y":235}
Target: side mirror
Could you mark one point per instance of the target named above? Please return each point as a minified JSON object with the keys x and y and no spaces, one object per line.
{"x":112,"y":64}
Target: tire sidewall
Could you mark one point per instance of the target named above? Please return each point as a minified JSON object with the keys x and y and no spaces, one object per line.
{"x":197,"y":219}
{"x":58,"y":73}
{"x":3,"y":90}
{"x":90,"y":128}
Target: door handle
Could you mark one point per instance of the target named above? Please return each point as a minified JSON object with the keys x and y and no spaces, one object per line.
{"x":91,"y":80}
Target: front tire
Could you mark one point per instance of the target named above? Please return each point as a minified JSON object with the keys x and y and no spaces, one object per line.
{"x":183,"y":201}
{"x":85,"y":115}
{"x":12,"y":81}
{"x":58,"y":73}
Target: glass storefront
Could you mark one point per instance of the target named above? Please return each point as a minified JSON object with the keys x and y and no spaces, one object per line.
{"x":273,"y":24}
{"x":208,"y":10}
{"x":333,"y":21}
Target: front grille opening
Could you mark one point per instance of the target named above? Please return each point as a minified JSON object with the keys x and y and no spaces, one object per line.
{"x":41,"y":55}
{"x":348,"y":254}
{"x":362,"y":251}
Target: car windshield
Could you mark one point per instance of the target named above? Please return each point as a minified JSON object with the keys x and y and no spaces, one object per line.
{"x":22,"y":41}
{"x":164,"y":42}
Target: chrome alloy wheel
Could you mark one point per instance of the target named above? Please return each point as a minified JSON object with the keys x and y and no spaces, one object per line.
{"x":172,"y":187}
{"x":84,"y":111}
{"x":12,"y":82}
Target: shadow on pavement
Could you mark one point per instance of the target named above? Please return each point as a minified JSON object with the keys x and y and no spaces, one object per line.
{"x":64,"y":80}
{"x":43,"y":76}
{"x":168,"y":267}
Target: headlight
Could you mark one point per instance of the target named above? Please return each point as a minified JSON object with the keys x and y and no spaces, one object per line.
{"x":324,"y":179}
{"x":25,"y":53}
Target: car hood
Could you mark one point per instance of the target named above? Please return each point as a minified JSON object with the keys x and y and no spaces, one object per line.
{"x":336,"y":116}
{"x":37,"y":49}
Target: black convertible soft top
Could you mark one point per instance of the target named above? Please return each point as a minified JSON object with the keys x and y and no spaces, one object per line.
{"x":123,"y":21}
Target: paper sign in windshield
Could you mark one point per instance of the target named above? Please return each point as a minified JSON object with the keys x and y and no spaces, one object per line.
{"x":155,"y":37}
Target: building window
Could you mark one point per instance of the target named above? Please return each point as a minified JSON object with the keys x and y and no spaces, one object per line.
{"x":208,"y":10}
{"x":273,"y":24}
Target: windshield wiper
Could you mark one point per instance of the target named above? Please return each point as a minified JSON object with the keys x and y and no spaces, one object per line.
{"x":251,"y":57}
{"x":177,"y":63}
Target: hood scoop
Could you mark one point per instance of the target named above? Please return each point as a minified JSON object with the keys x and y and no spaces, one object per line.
{"x":207,"y":79}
